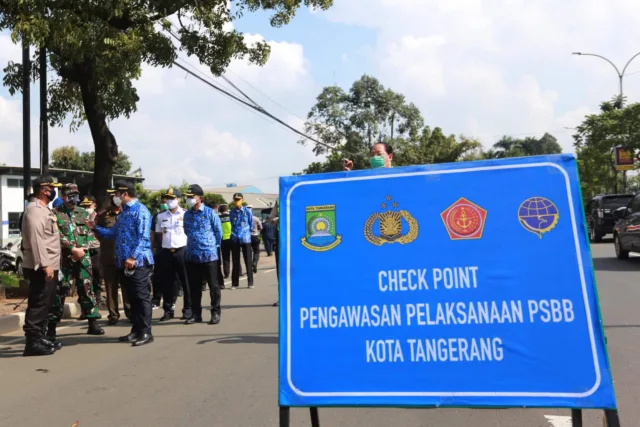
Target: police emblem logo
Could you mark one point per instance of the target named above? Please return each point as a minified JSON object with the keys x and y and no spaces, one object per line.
{"x":464,"y":220}
{"x":321,"y":232}
{"x":390,"y":226}
{"x":538,"y":215}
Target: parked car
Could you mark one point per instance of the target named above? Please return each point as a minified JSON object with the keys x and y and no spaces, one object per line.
{"x":626,"y":233}
{"x":599,"y":212}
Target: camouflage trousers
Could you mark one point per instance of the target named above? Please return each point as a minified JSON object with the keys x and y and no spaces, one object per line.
{"x":81,"y":273}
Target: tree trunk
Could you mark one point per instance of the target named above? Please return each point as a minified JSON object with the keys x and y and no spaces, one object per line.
{"x":106,"y":148}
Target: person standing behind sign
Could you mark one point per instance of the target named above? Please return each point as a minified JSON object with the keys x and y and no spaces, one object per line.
{"x":274,"y":218}
{"x":241,"y":226}
{"x":41,"y":251}
{"x":170,"y":225}
{"x":204,"y":232}
{"x":134,"y":258}
{"x":380,"y":156}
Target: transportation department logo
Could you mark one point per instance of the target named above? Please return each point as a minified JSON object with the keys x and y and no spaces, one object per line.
{"x":392,"y":226}
{"x":321,"y":228}
{"x":538,"y":215}
{"x":464,"y":220}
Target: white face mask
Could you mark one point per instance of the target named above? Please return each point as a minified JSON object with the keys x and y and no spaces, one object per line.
{"x":90,"y":210}
{"x":117,"y":201}
{"x":172,"y":203}
{"x":191,"y":202}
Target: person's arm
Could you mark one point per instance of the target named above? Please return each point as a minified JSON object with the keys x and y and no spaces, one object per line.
{"x":258,"y":224}
{"x":216,"y":226}
{"x":143,"y":230}
{"x":35,"y":226}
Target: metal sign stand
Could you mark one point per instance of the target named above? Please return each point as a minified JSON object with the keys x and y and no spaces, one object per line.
{"x":611,"y":418}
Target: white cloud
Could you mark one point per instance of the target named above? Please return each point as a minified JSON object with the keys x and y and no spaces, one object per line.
{"x":497,"y":67}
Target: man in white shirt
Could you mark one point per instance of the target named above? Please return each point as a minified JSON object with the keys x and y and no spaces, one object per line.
{"x":174,"y":241}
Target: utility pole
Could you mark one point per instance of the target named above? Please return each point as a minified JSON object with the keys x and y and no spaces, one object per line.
{"x":26,"y":116}
{"x":621,"y":99}
{"x":44,"y":122}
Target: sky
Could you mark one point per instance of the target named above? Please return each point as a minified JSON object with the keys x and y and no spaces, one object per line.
{"x":479,"y":68}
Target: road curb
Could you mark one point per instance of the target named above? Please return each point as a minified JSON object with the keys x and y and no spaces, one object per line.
{"x":11,"y":323}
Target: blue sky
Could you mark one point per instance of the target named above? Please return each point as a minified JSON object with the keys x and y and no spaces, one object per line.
{"x":473,"y":67}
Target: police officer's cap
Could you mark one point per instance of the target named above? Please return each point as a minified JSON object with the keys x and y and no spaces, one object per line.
{"x":238,"y":196}
{"x":45,"y":181}
{"x":194,"y":190}
{"x":123,"y":186}
{"x":87,"y":201}
{"x":172,"y":193}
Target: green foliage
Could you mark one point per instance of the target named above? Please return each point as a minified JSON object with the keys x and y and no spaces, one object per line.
{"x":152,"y":199}
{"x":595,"y":141}
{"x":96,"y":50}
{"x":508,"y":146}
{"x":9,"y":280}
{"x":68,"y":157}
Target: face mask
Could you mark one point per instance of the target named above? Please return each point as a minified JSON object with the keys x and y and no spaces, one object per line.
{"x":172,"y":203}
{"x":164,"y":207}
{"x":238,"y":204}
{"x":52,"y":195}
{"x":191,"y":202}
{"x":376,"y":162}
{"x":74,"y":199}
{"x":117,"y":201}
{"x":90,"y":210}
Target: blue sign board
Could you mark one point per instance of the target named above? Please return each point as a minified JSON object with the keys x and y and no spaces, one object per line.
{"x":466,"y":284}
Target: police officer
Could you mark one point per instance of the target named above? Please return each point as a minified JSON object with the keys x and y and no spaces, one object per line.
{"x":204,"y":232}
{"x":89,"y":204}
{"x":241,"y":226}
{"x":41,"y":250}
{"x":170,"y":224}
{"x":76,"y":240}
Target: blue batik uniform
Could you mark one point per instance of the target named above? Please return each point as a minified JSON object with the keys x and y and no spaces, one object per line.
{"x":131,"y":233}
{"x":204,"y":234}
{"x":241,"y":225}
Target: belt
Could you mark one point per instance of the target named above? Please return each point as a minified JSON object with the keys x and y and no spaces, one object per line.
{"x":172,"y":250}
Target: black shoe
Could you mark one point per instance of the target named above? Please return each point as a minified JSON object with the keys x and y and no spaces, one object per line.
{"x":55,"y":345}
{"x":112,"y":322}
{"x":131,"y":338}
{"x":190,"y":321}
{"x":144,"y":339}
{"x":167,"y":316}
{"x":255,"y":269}
{"x":94,"y":328}
{"x":199,"y":319}
{"x":222,"y":286}
{"x":35,"y":347}
{"x":215,"y":319}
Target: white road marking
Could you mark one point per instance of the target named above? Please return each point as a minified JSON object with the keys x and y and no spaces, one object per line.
{"x":558,"y":420}
{"x":269,"y":271}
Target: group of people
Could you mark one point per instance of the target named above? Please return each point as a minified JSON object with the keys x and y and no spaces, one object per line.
{"x":73,"y":243}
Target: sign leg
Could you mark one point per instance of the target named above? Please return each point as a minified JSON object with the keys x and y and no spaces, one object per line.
{"x":284,"y":416}
{"x":315,"y":418}
{"x":611,"y":418}
{"x":576,"y":417}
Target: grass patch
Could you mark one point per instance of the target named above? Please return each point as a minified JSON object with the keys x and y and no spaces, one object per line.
{"x":9,"y":280}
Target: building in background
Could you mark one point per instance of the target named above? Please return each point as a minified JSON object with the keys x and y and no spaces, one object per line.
{"x":12,"y":199}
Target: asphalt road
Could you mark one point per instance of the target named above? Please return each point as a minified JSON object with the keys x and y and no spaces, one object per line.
{"x":226,"y":375}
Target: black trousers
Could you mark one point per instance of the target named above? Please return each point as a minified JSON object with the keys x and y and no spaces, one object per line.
{"x":225,"y":248}
{"x":255,"y":249}
{"x":245,"y":248}
{"x":137,"y":286}
{"x":42,"y":293}
{"x":156,"y":280}
{"x":203,"y":272}
{"x":173,"y":265}
{"x":269,"y":243}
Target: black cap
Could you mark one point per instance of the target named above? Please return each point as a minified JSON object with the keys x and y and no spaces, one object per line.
{"x":172,"y":193}
{"x":194,"y":190}
{"x":45,"y":181}
{"x":238,"y":196}
{"x":122,"y":186}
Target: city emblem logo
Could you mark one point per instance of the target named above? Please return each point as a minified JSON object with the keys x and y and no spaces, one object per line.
{"x":321,"y":228}
{"x":538,"y":215}
{"x":391,"y":226}
{"x":464,"y":220}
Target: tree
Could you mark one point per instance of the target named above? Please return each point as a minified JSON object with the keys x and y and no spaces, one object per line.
{"x":595,"y":141}
{"x":97,"y":48}
{"x":352,"y":122}
{"x":508,"y":146}
{"x":68,"y":157}
{"x":152,"y":199}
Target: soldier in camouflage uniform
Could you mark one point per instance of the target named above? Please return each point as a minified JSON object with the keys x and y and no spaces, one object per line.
{"x":90,"y":205}
{"x":75,"y":265}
